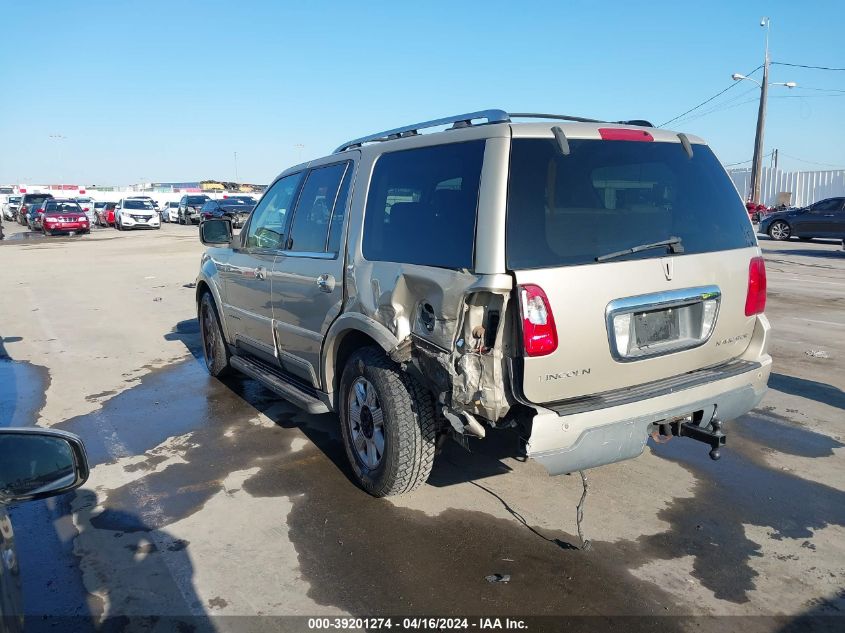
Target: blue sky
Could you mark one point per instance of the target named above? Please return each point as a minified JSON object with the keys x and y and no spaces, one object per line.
{"x":170,"y":90}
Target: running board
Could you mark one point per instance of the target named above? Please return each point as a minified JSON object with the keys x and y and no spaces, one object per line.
{"x":276,"y":382}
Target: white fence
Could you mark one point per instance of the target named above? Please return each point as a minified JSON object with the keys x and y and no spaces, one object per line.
{"x":806,"y":186}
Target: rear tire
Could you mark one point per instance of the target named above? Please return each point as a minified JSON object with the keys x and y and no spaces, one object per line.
{"x":387,"y":423}
{"x":780,"y":231}
{"x":214,"y":349}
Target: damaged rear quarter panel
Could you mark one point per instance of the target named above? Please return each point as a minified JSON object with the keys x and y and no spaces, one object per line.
{"x":434,"y":312}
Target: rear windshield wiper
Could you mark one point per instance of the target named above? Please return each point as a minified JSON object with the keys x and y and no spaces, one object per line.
{"x":674,"y":244}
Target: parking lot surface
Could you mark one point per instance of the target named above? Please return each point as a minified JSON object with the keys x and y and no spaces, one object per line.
{"x":217,"y":498}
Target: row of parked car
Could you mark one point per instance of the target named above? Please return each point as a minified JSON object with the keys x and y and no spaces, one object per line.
{"x":50,"y":215}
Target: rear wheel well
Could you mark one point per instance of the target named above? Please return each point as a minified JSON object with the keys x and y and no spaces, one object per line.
{"x":352,"y":340}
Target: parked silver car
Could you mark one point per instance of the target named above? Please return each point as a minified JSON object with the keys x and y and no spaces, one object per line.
{"x":586,"y":283}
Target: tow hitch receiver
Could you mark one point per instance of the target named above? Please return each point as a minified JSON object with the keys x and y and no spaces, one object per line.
{"x":710,"y":434}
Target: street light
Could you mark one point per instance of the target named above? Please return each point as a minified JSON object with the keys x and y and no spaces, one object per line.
{"x":757,"y":163}
{"x":59,"y":138}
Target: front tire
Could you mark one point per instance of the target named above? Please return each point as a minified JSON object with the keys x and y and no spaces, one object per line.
{"x":214,"y":348}
{"x":387,"y":423}
{"x":780,"y":231}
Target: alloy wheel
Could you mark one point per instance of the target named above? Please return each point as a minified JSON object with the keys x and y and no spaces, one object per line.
{"x":366,"y":422}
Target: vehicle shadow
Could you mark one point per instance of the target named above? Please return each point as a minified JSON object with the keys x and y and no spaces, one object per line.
{"x":805,"y":252}
{"x":811,"y":389}
{"x":480,"y":459}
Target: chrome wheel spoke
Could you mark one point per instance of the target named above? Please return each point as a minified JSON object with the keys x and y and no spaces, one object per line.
{"x":378,"y":441}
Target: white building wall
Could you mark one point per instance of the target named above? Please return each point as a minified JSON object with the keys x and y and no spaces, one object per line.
{"x":806,"y":186}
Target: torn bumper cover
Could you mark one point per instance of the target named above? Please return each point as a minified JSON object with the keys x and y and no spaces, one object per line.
{"x":566,"y":441}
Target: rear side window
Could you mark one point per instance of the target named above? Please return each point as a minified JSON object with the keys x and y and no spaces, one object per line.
{"x":608,"y":196}
{"x":313,"y":215}
{"x":422,"y":204}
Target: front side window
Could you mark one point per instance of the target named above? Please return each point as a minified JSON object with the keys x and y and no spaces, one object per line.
{"x":608,"y":196}
{"x":421,"y":206}
{"x":314,"y":210}
{"x":269,"y":219}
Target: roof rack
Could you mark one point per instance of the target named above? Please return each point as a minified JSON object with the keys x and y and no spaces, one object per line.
{"x":457,"y":121}
{"x":465,"y":120}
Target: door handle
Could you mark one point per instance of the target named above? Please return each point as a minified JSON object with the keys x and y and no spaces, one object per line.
{"x":261,"y":273}
{"x":325,"y":282}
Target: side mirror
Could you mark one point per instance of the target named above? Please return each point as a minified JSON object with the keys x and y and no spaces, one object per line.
{"x":39,"y":463}
{"x":216,"y":232}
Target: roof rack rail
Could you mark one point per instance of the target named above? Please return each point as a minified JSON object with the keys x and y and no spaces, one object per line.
{"x":577,"y":119}
{"x":457,"y":121}
{"x":465,"y":120}
{"x":555,"y":117}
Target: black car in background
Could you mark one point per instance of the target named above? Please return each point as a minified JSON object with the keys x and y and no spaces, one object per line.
{"x":825,"y":218}
{"x":236,"y":209}
{"x":28,"y":201}
{"x":189,"y":208}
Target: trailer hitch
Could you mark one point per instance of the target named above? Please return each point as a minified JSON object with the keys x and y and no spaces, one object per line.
{"x":710,"y":434}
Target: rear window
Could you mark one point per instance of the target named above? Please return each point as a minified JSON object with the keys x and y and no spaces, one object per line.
{"x":422,"y":204}
{"x":608,"y":196}
{"x":196,"y":199}
{"x":36,"y":197}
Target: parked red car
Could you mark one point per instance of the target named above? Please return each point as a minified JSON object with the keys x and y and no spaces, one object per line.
{"x":63,"y":216}
{"x":105,"y":214}
{"x":755,"y":211}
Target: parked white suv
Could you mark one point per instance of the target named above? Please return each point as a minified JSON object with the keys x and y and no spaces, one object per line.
{"x":136,"y":213}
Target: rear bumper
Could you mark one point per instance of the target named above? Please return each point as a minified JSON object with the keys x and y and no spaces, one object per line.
{"x":566,"y":442}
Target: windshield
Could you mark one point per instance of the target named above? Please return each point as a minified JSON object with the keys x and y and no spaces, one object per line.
{"x":610,"y":196}
{"x":62,"y":207}
{"x":138,"y":204}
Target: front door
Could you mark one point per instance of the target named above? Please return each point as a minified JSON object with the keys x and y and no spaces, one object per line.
{"x":249,"y":313}
{"x":308,"y":275}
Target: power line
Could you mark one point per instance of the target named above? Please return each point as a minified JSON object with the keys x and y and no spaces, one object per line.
{"x":718,"y":94}
{"x":810,"y":162}
{"x":805,"y":66}
{"x":742,"y":162}
{"x":818,"y":89}
{"x":725,"y":105}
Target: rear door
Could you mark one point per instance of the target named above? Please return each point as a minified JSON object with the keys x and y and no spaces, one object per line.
{"x":624,"y":319}
{"x":249,"y":313}
{"x":307,"y":278}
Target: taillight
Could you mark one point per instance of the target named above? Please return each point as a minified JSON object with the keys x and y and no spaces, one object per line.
{"x":539,"y":334}
{"x":755,"y":300}
{"x":624,"y":134}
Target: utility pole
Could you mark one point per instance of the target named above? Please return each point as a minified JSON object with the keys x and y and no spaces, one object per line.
{"x":757,"y":161}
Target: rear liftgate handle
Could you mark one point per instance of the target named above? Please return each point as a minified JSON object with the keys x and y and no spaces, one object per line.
{"x":326,"y":282}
